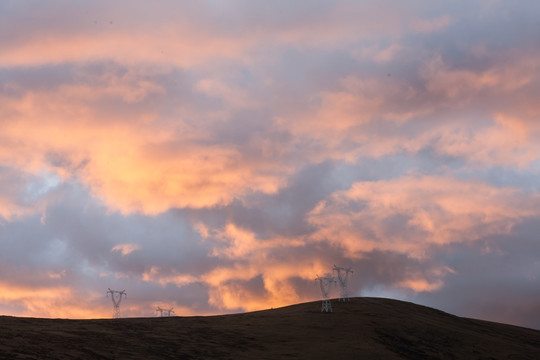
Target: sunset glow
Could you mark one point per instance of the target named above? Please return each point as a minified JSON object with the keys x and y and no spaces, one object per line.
{"x":216,"y":156}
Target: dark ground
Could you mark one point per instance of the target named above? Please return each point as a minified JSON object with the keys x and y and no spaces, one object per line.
{"x":364,"y":328}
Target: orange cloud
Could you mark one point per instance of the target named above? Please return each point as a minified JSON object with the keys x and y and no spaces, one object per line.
{"x":178,"y":43}
{"x":234,"y":290}
{"x":230,"y":286}
{"x":156,"y":274}
{"x":193,"y":35}
{"x":10,"y":210}
{"x":131,"y":164}
{"x":52,"y":301}
{"x":410,"y":214}
{"x":462,"y":84}
{"x":235,"y":242}
{"x":374,"y":116}
{"x":126,"y":249}
{"x":508,"y":142}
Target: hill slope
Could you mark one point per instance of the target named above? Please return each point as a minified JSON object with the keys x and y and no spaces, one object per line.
{"x":367,"y":328}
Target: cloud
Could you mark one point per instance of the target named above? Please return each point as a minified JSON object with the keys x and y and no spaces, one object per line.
{"x":411,"y":214}
{"x":23,"y":193}
{"x":216,"y":156}
{"x":510,"y":295}
{"x":126,"y":249}
{"x":431,"y":25}
{"x":159,"y":162}
{"x":151,"y":159}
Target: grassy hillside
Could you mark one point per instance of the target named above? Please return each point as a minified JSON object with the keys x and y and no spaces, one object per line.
{"x":366,"y":328}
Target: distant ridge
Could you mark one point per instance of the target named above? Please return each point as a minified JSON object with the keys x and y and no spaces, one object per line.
{"x":364,"y":328}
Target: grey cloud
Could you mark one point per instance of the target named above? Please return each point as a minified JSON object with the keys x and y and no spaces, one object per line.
{"x":280,"y":214}
{"x":21,"y":193}
{"x":496,"y":279}
{"x":90,"y":233}
{"x":74,"y":245}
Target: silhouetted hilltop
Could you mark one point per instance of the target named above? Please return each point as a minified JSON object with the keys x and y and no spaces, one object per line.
{"x":364,"y":328}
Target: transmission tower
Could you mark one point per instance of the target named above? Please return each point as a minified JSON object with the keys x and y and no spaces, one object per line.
{"x":325,"y":282}
{"x":164,"y":312}
{"x":116,"y":297}
{"x":343,"y":278}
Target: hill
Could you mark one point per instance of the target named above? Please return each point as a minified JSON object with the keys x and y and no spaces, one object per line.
{"x":366,"y":328}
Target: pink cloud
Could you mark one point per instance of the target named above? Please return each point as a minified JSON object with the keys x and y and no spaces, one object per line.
{"x":377,"y":116}
{"x":231,"y":287}
{"x":126,"y":249}
{"x":154,"y":167}
{"x":410,"y":214}
{"x":508,"y":142}
{"x":462,"y":84}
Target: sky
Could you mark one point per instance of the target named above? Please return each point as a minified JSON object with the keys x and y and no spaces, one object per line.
{"x":217,"y":156}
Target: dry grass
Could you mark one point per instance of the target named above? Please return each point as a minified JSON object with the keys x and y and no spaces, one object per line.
{"x":364,"y":328}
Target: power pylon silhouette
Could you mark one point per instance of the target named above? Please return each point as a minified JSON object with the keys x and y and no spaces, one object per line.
{"x":325,"y":282}
{"x":116,"y":297}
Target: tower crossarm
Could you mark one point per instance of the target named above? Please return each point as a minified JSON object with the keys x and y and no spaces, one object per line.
{"x":343,"y":275}
{"x":325,"y":282}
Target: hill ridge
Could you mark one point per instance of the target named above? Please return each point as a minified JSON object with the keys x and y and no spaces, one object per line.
{"x":369,"y":328}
